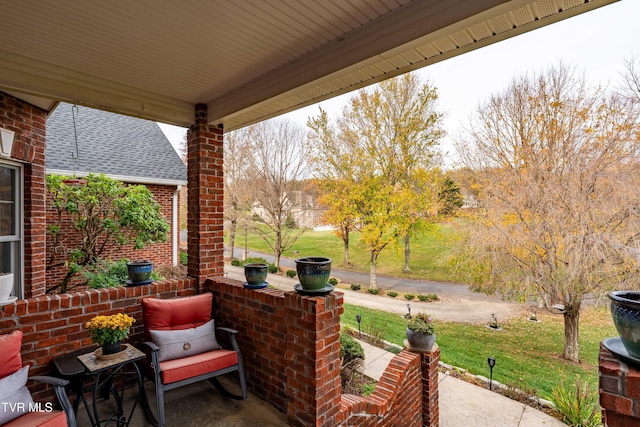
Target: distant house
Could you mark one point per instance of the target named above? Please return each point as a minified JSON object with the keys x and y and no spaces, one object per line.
{"x":301,"y":205}
{"x":82,"y":140}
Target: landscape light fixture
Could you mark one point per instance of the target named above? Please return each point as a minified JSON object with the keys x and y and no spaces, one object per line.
{"x":408,"y":311}
{"x":359,"y":319}
{"x":492,"y":362}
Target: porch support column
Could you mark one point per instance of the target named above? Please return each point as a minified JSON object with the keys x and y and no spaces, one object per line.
{"x":205,"y":199}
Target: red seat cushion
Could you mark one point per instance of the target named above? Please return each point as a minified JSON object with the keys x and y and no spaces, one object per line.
{"x":10,"y":359}
{"x":39,"y":419}
{"x":192,"y":366}
{"x":176,"y":313}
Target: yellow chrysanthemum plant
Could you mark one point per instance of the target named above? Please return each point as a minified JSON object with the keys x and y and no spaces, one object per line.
{"x":110,"y":329}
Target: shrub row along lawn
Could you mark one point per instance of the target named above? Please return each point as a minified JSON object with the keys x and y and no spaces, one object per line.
{"x":528,"y":354}
{"x":428,"y":252}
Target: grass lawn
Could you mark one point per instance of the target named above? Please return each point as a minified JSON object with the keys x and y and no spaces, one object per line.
{"x":427,"y":252}
{"x":527,"y":353}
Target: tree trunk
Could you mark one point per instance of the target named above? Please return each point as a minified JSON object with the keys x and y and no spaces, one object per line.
{"x":373,"y":284}
{"x":407,"y":254}
{"x":345,"y":240}
{"x":278,"y":248}
{"x":571,"y":322}
{"x":233,"y":225}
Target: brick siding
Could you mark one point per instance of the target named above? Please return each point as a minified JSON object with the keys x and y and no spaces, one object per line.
{"x":619,"y":391}
{"x":159,"y":253}
{"x":29,"y":124}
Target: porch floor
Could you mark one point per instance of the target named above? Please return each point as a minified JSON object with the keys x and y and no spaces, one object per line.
{"x":196,"y":405}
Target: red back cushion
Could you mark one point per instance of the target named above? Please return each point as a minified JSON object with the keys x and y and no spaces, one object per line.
{"x":10,"y":359}
{"x":176,"y":313}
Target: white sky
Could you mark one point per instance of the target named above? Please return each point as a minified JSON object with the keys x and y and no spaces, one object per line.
{"x":596,"y":43}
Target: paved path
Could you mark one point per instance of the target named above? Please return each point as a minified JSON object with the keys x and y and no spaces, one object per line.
{"x":464,"y":404}
{"x":450,"y":308}
{"x":384,"y":282}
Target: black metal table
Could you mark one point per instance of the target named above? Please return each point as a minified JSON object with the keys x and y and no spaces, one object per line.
{"x":70,"y":368}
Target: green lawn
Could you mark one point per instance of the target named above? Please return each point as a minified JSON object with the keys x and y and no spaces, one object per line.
{"x":428,"y":252}
{"x":527,"y":353}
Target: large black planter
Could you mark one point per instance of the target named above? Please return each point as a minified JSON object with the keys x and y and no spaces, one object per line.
{"x":139,"y":273}
{"x":313,"y":273}
{"x":625,"y":310}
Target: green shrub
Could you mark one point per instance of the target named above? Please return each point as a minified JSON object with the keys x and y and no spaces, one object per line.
{"x":273,"y":269}
{"x":291,"y":273}
{"x":577,"y":407}
{"x":392,"y":294}
{"x":350,"y":349}
{"x":433,"y":297}
{"x":236,"y":262}
{"x":333,"y":281}
{"x":184,"y":258}
{"x":106,"y":274}
{"x":355,"y":287}
{"x":423,"y":298}
{"x":367,"y":389}
{"x":409,"y":297}
{"x":373,"y":291}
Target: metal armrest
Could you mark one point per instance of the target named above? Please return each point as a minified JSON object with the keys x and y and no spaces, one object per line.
{"x":229,"y":330}
{"x":154,"y":348}
{"x":57,"y":382}
{"x":59,"y":387}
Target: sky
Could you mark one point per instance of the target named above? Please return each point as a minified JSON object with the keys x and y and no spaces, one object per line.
{"x":596,"y":43}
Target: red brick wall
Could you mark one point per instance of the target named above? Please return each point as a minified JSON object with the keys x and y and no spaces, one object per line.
{"x":159,"y":253}
{"x":396,"y":400}
{"x":619,"y":391}
{"x":29,"y":124}
{"x":205,"y":199}
{"x":53,"y":325}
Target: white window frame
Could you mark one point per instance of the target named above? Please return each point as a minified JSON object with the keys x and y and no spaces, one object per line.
{"x":17,"y":239}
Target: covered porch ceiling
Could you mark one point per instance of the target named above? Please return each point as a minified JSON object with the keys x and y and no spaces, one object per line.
{"x":247,"y":60}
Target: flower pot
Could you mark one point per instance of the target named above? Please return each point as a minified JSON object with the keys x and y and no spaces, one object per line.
{"x":420,"y":341}
{"x":625,"y":311}
{"x":139,"y":272}
{"x":6,"y":285}
{"x":111,"y":347}
{"x":313,"y":272}
{"x":256,"y":274}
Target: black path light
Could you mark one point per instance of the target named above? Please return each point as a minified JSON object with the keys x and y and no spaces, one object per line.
{"x":492,"y":362}
{"x":408,"y":311}
{"x":359,"y":319}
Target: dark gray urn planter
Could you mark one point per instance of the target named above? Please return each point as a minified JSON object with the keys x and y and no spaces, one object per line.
{"x":139,"y":273}
{"x":313,"y":273}
{"x":625,"y":311}
{"x":420,"y":341}
{"x":256,"y":275}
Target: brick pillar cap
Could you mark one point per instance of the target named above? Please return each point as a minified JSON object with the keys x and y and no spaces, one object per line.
{"x":415,"y":350}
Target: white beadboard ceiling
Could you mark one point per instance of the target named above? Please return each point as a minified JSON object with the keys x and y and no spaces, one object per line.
{"x":248,"y":60}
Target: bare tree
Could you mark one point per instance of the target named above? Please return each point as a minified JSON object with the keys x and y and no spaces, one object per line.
{"x":557,"y":164}
{"x":278,"y":164}
{"x":630,"y":87}
{"x":237,"y":188}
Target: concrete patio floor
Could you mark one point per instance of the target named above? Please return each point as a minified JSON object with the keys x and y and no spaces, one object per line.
{"x":196,"y":405}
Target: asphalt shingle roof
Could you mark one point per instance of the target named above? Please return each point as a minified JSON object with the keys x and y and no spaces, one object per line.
{"x":112,"y":144}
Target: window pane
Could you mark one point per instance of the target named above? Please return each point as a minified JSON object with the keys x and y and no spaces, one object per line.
{"x":7,"y":201}
{"x":6,"y":258}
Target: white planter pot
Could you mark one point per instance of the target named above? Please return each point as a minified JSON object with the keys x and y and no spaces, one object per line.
{"x":6,"y":285}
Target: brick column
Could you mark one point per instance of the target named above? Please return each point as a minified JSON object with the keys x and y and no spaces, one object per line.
{"x":205,"y":199}
{"x":619,"y":391}
{"x":313,"y":359}
{"x":430,"y":409}
{"x":429,"y":363}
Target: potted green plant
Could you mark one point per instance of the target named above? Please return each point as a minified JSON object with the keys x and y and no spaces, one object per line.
{"x":421,"y":332}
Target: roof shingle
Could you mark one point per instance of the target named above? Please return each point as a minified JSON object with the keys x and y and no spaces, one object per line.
{"x":112,"y":144}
